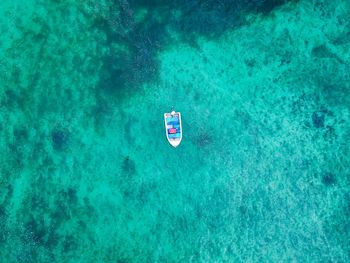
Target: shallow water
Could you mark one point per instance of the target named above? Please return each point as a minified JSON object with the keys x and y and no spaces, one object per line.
{"x":262,"y":173}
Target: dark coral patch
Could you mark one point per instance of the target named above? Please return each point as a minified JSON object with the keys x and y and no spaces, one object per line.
{"x":318,"y":118}
{"x":70,"y":243}
{"x":21,"y":135}
{"x":212,"y":17}
{"x":203,"y":139}
{"x":124,"y":70}
{"x":88,"y":208}
{"x":13,"y":98}
{"x":62,"y":211}
{"x":266,"y":6}
{"x":2,"y":211}
{"x":69,"y":196}
{"x":35,"y":230}
{"x":330,"y":133}
{"x":60,"y":139}
{"x":128,"y":166}
{"x":2,"y":224}
{"x":115,"y":72}
{"x":323,"y":51}
{"x":329,"y":179}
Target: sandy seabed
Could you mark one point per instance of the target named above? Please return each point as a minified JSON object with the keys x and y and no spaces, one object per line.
{"x":263,"y":170}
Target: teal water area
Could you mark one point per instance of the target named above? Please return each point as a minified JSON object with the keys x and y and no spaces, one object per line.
{"x":263,"y":170}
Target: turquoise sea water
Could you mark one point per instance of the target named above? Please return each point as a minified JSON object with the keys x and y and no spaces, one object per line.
{"x":263,"y":170}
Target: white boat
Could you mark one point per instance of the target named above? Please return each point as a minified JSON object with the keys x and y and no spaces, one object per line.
{"x":173,"y":128}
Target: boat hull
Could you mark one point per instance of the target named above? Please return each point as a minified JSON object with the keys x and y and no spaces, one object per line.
{"x":173,"y":128}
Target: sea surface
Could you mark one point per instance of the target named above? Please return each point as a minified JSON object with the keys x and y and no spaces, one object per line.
{"x":263,"y":170}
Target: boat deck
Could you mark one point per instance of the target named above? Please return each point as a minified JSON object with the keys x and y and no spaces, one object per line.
{"x":173,"y":128}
